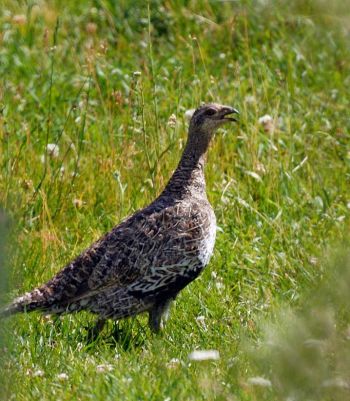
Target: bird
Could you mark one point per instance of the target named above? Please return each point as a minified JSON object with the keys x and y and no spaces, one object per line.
{"x":148,"y":258}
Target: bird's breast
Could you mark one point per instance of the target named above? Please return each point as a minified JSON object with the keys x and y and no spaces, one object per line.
{"x":207,"y":242}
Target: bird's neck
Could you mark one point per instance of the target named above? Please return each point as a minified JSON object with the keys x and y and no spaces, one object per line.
{"x":188,"y":178}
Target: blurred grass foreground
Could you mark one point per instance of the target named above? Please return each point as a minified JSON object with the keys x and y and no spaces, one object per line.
{"x":306,"y":353}
{"x":93,"y":97}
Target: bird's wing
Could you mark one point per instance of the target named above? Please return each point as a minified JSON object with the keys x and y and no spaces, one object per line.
{"x":147,"y":243}
{"x":134,"y":252}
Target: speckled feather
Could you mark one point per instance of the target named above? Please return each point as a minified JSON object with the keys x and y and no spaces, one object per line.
{"x":142,"y":263}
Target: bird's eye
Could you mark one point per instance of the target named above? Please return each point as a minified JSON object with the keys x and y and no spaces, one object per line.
{"x":210,"y":112}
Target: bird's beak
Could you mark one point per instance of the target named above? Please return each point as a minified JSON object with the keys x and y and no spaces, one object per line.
{"x":227,"y":111}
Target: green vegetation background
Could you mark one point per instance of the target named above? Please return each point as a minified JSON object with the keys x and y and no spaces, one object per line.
{"x":109,"y":82}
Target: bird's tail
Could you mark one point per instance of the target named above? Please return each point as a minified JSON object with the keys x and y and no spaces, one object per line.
{"x":26,"y":303}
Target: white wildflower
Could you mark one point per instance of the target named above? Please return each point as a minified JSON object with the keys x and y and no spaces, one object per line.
{"x":19,"y":19}
{"x":219,"y":285}
{"x":313,"y":260}
{"x":91,"y":28}
{"x":189,"y":114}
{"x":260,"y":168}
{"x":136,"y":74}
{"x":53,"y":150}
{"x":265,"y":119}
{"x":172,"y":121}
{"x":267,"y":122}
{"x":173,"y":363}
{"x":62,"y":377}
{"x":38,"y":373}
{"x":200,"y":318}
{"x":104,"y":368}
{"x":222,"y":56}
{"x":204,"y":355}
{"x":201,"y":321}
{"x":259,"y":382}
{"x":78,"y":203}
{"x":250,"y":99}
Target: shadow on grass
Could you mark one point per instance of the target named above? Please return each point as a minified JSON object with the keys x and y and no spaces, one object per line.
{"x":127,"y":334}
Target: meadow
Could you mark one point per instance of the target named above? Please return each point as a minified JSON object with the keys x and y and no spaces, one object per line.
{"x":93,"y":96}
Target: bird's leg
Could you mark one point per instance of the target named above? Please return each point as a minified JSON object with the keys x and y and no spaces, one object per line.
{"x":158,"y":315}
{"x":96,"y":330}
{"x":100,"y":323}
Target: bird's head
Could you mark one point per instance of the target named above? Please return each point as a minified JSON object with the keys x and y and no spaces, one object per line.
{"x":209,"y":117}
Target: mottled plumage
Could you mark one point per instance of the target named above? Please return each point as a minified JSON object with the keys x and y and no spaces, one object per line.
{"x":142,"y":263}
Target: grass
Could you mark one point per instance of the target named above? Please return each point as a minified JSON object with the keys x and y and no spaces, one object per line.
{"x":100,"y":79}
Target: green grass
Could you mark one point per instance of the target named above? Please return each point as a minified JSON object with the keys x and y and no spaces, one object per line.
{"x":281,"y":197}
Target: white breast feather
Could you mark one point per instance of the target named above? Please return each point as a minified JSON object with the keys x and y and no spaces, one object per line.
{"x":207,"y":245}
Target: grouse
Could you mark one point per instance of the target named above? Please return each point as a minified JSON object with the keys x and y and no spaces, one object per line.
{"x":143,"y":263}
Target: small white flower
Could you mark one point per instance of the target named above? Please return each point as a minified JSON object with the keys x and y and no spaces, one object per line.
{"x":219,"y":285}
{"x":313,"y":260}
{"x":265,"y":119}
{"x":38,"y":373}
{"x":104,"y":368}
{"x":260,"y":168}
{"x":204,"y":355}
{"x":53,"y":150}
{"x":62,"y":377}
{"x":78,"y":203}
{"x":172,"y":121}
{"x":250,"y":99}
{"x":259,"y":382}
{"x":19,"y":19}
{"x":222,"y":56}
{"x":189,"y":114}
{"x":136,"y":73}
{"x":91,"y":28}
{"x":267,"y":122}
{"x":173,"y":363}
{"x":201,"y":321}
